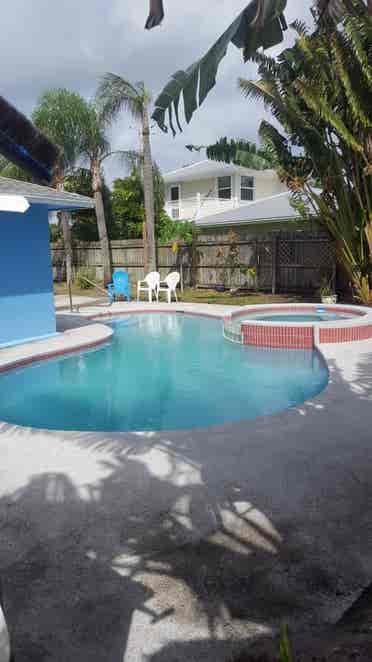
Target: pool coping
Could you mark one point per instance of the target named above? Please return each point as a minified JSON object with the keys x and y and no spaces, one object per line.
{"x":71,"y":341}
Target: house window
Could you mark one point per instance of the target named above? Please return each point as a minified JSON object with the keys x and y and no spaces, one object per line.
{"x":224,"y":188}
{"x":246,"y":188}
{"x":175,"y":213}
{"x":175,"y":193}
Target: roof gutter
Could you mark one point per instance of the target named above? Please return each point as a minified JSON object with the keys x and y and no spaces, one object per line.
{"x":276,"y":219}
{"x":14,"y":203}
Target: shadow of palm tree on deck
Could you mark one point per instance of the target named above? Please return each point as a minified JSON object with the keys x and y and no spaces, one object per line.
{"x":163,"y":537}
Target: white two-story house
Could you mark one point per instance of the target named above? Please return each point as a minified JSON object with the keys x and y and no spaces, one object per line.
{"x":209,"y":187}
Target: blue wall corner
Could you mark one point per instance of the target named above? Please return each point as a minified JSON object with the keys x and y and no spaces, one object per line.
{"x":26,"y":281}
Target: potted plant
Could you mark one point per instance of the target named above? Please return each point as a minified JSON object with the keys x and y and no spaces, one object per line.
{"x":326,"y":293}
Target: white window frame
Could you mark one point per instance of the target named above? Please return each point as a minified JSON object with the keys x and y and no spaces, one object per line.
{"x":225,"y":187}
{"x":175,"y":205}
{"x":178,"y":186}
{"x":248,"y":188}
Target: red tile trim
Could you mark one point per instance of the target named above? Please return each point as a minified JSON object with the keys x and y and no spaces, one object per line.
{"x":345,"y":334}
{"x":288,"y":337}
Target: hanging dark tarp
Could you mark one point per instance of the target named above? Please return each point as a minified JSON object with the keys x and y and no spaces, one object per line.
{"x":260,"y":24}
{"x":22,"y":144}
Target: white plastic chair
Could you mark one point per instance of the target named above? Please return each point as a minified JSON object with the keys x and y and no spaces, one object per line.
{"x":169,"y":285}
{"x":150,"y":284}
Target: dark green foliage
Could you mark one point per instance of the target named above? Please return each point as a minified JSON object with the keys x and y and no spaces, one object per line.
{"x":176,"y":231}
{"x":128,"y":207}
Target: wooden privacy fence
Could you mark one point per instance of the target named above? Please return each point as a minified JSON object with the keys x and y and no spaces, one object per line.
{"x":287,"y":262}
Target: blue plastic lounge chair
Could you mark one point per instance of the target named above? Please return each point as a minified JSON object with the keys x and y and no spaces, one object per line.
{"x":120,"y":286}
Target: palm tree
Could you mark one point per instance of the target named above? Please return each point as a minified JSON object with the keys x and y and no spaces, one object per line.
{"x":96,"y":149}
{"x":115,"y":94}
{"x":62,"y":115}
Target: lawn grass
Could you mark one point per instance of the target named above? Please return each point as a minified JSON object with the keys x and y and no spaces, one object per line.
{"x":197,"y":295}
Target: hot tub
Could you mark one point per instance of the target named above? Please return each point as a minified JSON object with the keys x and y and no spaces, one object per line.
{"x":299,"y":326}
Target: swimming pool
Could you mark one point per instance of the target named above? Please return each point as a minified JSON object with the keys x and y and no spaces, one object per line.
{"x":160,"y":372}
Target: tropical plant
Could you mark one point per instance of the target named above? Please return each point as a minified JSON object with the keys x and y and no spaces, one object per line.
{"x":115,"y":94}
{"x":96,"y":149}
{"x":63,"y":115}
{"x":320,"y":91}
{"x":184,"y":237}
{"x":260,"y":24}
{"x":241,"y":152}
{"x":128,"y":207}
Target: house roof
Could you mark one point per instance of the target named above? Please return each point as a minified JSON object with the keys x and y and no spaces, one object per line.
{"x":207,"y":168}
{"x":34,"y":194}
{"x":23,"y":144}
{"x":274,"y":209}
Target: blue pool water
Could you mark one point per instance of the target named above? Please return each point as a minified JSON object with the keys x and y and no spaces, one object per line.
{"x":160,"y":372}
{"x":297,"y":317}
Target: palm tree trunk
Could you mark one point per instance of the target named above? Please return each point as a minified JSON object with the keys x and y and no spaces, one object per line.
{"x":101,"y":222}
{"x":148,"y":186}
{"x":66,"y":231}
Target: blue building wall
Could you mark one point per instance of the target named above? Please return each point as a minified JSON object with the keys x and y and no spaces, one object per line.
{"x":26,"y":282}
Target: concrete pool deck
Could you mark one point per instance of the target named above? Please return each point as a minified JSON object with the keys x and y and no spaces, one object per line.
{"x":170,"y":546}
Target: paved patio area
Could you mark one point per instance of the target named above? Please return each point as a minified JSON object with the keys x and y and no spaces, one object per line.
{"x":162,"y":547}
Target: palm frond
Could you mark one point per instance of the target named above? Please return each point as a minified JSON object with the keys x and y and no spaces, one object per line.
{"x":321,"y":107}
{"x":63,"y":116}
{"x":300,"y":27}
{"x":260,"y":90}
{"x":363,"y":54}
{"x":115,"y":94}
{"x":260,"y":24}
{"x":355,"y":101}
{"x":131,"y":159}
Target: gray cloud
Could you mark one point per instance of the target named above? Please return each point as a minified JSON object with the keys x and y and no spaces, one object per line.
{"x":46,"y":43}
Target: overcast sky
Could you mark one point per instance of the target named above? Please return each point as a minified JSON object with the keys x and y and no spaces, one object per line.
{"x":49,"y":43}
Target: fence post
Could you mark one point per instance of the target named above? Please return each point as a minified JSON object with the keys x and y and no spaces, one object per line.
{"x":274,"y":257}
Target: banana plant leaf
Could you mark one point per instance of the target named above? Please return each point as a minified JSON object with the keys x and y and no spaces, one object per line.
{"x":260,"y":24}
